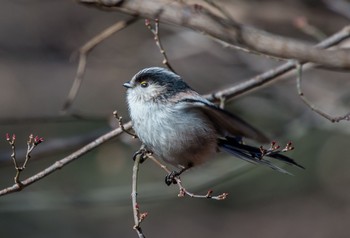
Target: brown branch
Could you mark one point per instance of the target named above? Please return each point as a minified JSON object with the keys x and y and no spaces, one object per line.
{"x":199,"y":18}
{"x":182,"y":190}
{"x":121,"y":124}
{"x":274,"y":74}
{"x":155,"y":32}
{"x":31,"y":144}
{"x":83,"y":52}
{"x":61,"y":163}
{"x":138,"y":217}
{"x":312,"y":106}
{"x":56,"y":145}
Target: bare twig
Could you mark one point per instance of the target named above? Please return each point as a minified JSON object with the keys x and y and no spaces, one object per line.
{"x":61,"y":163}
{"x":274,"y":74}
{"x":246,"y":50}
{"x":303,"y":24}
{"x":31,"y":143}
{"x":313,"y":107}
{"x":274,"y":149}
{"x":228,"y":17}
{"x":182,"y":190}
{"x":83,"y":52}
{"x":155,"y":32}
{"x":121,"y":124}
{"x":138,"y":217}
{"x":199,"y":18}
{"x":222,"y":10}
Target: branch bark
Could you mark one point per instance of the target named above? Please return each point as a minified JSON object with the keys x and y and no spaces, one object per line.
{"x":201,"y":19}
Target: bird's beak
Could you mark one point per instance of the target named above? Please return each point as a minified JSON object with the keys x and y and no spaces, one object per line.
{"x":127,"y":85}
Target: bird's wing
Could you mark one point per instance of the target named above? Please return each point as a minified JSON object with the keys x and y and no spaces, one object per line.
{"x":225,"y":122}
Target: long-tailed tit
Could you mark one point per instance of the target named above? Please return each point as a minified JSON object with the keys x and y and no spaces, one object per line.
{"x":182,"y":128}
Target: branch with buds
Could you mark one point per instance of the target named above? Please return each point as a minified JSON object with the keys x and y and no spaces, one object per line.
{"x":182,"y":190}
{"x":274,"y":149}
{"x":138,"y":216}
{"x":31,"y":144}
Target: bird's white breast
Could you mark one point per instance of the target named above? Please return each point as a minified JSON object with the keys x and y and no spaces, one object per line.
{"x":174,"y":135}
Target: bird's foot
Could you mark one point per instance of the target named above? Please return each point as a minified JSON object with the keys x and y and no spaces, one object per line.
{"x":141,"y":152}
{"x":170,"y":178}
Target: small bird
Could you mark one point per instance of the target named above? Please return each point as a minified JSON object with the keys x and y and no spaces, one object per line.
{"x":184,"y":129}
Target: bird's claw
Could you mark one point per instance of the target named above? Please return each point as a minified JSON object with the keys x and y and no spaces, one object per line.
{"x":141,"y":152}
{"x":170,"y":178}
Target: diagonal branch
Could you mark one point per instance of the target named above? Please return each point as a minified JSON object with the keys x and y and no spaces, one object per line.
{"x":83,"y":52}
{"x":201,"y":19}
{"x":274,"y":74}
{"x":61,"y":163}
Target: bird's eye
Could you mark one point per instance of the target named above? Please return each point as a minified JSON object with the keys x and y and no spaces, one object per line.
{"x":144,"y":84}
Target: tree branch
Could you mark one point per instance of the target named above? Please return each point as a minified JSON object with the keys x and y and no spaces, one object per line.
{"x":312,"y":106}
{"x":83,"y":52}
{"x":273,"y":74}
{"x":201,"y":19}
{"x":61,"y":163}
{"x":138,"y":217}
{"x":182,"y":190}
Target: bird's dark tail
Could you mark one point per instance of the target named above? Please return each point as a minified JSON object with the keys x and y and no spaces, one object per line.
{"x":254,"y":155}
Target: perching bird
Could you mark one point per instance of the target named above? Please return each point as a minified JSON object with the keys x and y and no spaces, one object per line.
{"x":184,"y":129}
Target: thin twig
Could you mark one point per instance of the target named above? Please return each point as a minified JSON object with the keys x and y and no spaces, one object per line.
{"x":274,"y":149}
{"x":83,"y":52}
{"x":236,"y":47}
{"x":246,"y":50}
{"x":273,"y":75}
{"x":303,"y":24}
{"x":32,"y":143}
{"x":155,"y":32}
{"x":221,"y":10}
{"x":138,"y":217}
{"x":311,"y":105}
{"x":182,"y":190}
{"x":121,"y":124}
{"x":61,"y":163}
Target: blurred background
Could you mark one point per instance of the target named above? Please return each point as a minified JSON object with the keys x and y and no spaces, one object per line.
{"x":91,"y":196}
